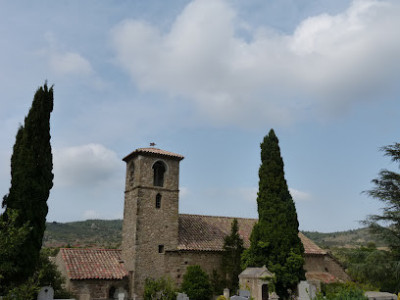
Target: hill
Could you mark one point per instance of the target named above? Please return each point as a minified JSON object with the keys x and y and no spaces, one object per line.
{"x":107,"y":234}
{"x":89,"y":233}
{"x":348,"y":239}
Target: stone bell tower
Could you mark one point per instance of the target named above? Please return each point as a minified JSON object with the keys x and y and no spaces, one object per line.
{"x":151,"y":208}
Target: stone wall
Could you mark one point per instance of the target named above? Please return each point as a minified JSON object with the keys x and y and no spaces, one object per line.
{"x":325,"y":263}
{"x":95,"y":289}
{"x":176,"y":263}
{"x":149,"y":231}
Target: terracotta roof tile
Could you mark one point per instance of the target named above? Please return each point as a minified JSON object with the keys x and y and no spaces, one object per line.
{"x":93,"y":263}
{"x":153,"y":151}
{"x":207,"y":233}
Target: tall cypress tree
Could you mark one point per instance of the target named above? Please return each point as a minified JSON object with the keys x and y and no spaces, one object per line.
{"x":233,"y":249}
{"x":274,"y":240}
{"x":31,"y":181}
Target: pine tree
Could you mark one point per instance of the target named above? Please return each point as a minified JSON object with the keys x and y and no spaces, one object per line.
{"x":274,"y":240}
{"x":231,"y":259}
{"x":31,"y":181}
{"x":387,"y":224}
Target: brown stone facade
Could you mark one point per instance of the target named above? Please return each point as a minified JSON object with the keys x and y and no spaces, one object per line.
{"x":318,"y":264}
{"x":176,"y":263}
{"x":150,"y":226}
{"x":95,"y":289}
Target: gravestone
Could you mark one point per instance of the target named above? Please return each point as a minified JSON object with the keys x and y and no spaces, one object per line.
{"x":307,"y":291}
{"x":226,"y":293}
{"x":182,"y":296}
{"x":235,"y":297}
{"x":244,"y":293}
{"x":46,"y":293}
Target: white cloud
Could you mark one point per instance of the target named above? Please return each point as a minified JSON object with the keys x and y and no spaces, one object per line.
{"x":63,"y":62}
{"x":70,"y":63}
{"x":328,"y":62}
{"x":299,"y":196}
{"x":86,"y":165}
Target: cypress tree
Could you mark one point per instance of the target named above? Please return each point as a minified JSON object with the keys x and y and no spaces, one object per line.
{"x":274,"y":240}
{"x":31,"y":181}
{"x":233,"y":249}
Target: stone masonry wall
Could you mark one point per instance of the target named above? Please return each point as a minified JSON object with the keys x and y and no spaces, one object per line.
{"x":149,"y":231}
{"x":325,"y":263}
{"x":95,"y":289}
{"x":176,"y":263}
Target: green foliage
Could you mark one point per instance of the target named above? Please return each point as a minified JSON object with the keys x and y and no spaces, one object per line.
{"x":46,"y":274}
{"x":11,"y":239}
{"x":348,"y":238}
{"x":231,"y":258}
{"x":371,"y":267}
{"x":340,"y":291}
{"x":217,"y":283}
{"x":31,"y":181}
{"x":387,"y":224}
{"x":387,"y":190}
{"x":26,"y":291}
{"x":89,"y":233}
{"x":196,"y":284}
{"x":274,"y":239}
{"x":160,"y":289}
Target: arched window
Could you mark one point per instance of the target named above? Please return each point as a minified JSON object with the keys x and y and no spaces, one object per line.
{"x":158,"y":201}
{"x":159,"y":170}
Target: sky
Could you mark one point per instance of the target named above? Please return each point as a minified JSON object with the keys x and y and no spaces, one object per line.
{"x":208,"y":79}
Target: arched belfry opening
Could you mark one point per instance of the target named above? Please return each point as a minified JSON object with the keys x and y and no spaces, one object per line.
{"x":159,"y":172}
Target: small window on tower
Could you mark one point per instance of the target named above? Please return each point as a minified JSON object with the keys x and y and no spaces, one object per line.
{"x":160,"y":248}
{"x":131,"y":171}
{"x":159,"y":170}
{"x":158,"y":201}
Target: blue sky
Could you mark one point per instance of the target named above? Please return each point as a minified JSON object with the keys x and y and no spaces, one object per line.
{"x":208,"y":79}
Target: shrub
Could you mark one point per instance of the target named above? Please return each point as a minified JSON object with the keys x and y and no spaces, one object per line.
{"x":160,"y":289}
{"x":196,"y":284}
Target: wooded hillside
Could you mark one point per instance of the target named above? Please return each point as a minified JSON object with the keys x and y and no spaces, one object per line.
{"x":107,"y":234}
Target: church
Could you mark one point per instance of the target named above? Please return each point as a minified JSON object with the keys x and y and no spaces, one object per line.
{"x":158,"y":241}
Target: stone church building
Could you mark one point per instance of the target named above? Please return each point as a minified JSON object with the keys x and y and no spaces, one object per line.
{"x":158,"y":241}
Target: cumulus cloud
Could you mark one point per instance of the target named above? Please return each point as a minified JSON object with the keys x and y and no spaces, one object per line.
{"x":329,"y":61}
{"x":70,"y":63}
{"x":299,"y":196}
{"x":63,"y":62}
{"x":86,"y":165}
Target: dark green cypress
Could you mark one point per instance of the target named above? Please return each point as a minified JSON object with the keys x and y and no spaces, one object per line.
{"x":31,"y":180}
{"x":274,"y":240}
{"x":233,"y":249}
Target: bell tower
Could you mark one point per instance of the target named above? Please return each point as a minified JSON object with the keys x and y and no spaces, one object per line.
{"x":151,"y":208}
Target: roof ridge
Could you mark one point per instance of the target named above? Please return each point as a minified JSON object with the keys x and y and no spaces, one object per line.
{"x":225,"y":217}
{"x":91,"y":249}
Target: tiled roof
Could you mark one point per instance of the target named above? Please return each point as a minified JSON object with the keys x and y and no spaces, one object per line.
{"x":207,"y":233}
{"x":93,"y":263}
{"x":153,"y":151}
